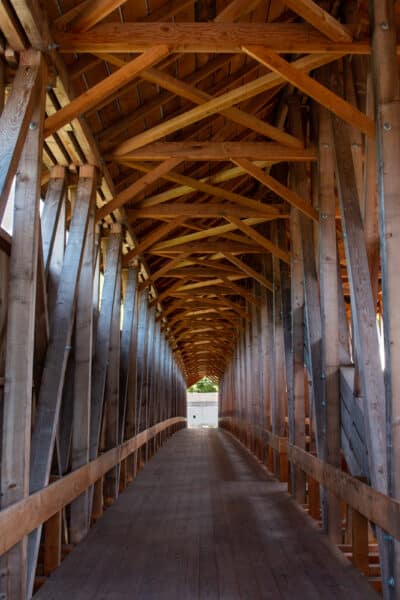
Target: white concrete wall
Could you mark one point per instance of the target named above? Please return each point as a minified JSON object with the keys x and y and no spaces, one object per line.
{"x":202,"y":410}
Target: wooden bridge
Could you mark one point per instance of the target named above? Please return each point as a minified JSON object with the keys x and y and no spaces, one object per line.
{"x":194,"y":188}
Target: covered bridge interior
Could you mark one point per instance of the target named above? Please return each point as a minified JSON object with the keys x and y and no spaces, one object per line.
{"x":195,"y":188}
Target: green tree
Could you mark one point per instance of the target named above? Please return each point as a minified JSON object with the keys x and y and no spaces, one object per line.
{"x":203,"y":386}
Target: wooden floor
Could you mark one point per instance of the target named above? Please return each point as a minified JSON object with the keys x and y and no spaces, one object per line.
{"x":204,"y":520}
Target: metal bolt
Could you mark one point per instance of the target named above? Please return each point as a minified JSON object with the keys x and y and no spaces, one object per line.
{"x":391,"y":582}
{"x":385,"y":25}
{"x":32,"y":125}
{"x":387,"y":126}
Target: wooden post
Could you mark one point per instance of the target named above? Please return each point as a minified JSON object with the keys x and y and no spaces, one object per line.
{"x":44,"y":433}
{"x":52,"y":543}
{"x":128,"y":358}
{"x":16,"y":438}
{"x":297,"y":431}
{"x":360,"y":542}
{"x":283,"y":460}
{"x":278,"y":420}
{"x":103,"y":334}
{"x":329,"y":312}
{"x":387,"y":110}
{"x":364,"y":324}
{"x":314,"y":506}
{"x":82,"y":377}
{"x":17,"y":117}
{"x":98,"y":501}
{"x":51,"y":212}
{"x":112,"y":394}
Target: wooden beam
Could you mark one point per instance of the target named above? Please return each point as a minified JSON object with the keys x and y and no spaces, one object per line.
{"x":166,"y":11}
{"x":17,"y":117}
{"x":128,"y":357}
{"x":127,"y":38}
{"x":321,"y":19}
{"x":92,"y":13}
{"x":235,"y":10}
{"x":329,"y":312}
{"x":103,"y":89}
{"x":193,"y":94}
{"x":79,"y":519}
{"x":296,"y":399}
{"x":211,"y":190}
{"x":152,"y":238}
{"x":112,"y":394}
{"x":312,"y":307}
{"x":197,"y":151}
{"x":50,"y":393}
{"x":362,"y":306}
{"x":200,"y":211}
{"x":278,"y":188}
{"x":137,"y":187}
{"x":244,"y":92}
{"x":205,"y":233}
{"x":313,"y":88}
{"x":249,"y":271}
{"x":103,"y":335}
{"x":11,"y":28}
{"x":52,"y":544}
{"x":245,"y":226}
{"x":163,"y":270}
{"x":211,"y":248}
{"x":17,"y":406}
{"x":51,"y":212}
{"x":175,"y":192}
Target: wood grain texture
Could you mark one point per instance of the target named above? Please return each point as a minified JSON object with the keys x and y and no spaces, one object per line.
{"x":204,"y":37}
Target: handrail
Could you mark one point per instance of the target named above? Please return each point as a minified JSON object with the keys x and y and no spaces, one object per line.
{"x":19,"y":519}
{"x":375,"y":506}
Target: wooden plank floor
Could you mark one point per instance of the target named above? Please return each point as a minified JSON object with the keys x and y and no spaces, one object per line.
{"x":204,"y":520}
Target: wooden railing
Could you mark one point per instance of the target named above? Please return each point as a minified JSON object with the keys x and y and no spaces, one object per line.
{"x":366,"y":503}
{"x":18,"y":520}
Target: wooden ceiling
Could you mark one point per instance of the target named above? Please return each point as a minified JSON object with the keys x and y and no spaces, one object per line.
{"x":182,"y":105}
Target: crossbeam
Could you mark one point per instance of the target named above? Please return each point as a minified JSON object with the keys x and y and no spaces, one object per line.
{"x":286,"y":38}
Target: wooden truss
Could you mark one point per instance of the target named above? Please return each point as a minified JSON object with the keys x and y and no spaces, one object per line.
{"x":220,"y":198}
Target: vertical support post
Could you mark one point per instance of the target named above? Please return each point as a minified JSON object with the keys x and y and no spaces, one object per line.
{"x":112,"y":393}
{"x":83,"y":377}
{"x":103,"y":334}
{"x":52,"y":543}
{"x":51,"y":212}
{"x":16,"y":438}
{"x":364,"y":324}
{"x":360,"y":542}
{"x":297,"y":427}
{"x":278,"y":422}
{"x":387,"y":110}
{"x":49,"y":402}
{"x":329,"y":312}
